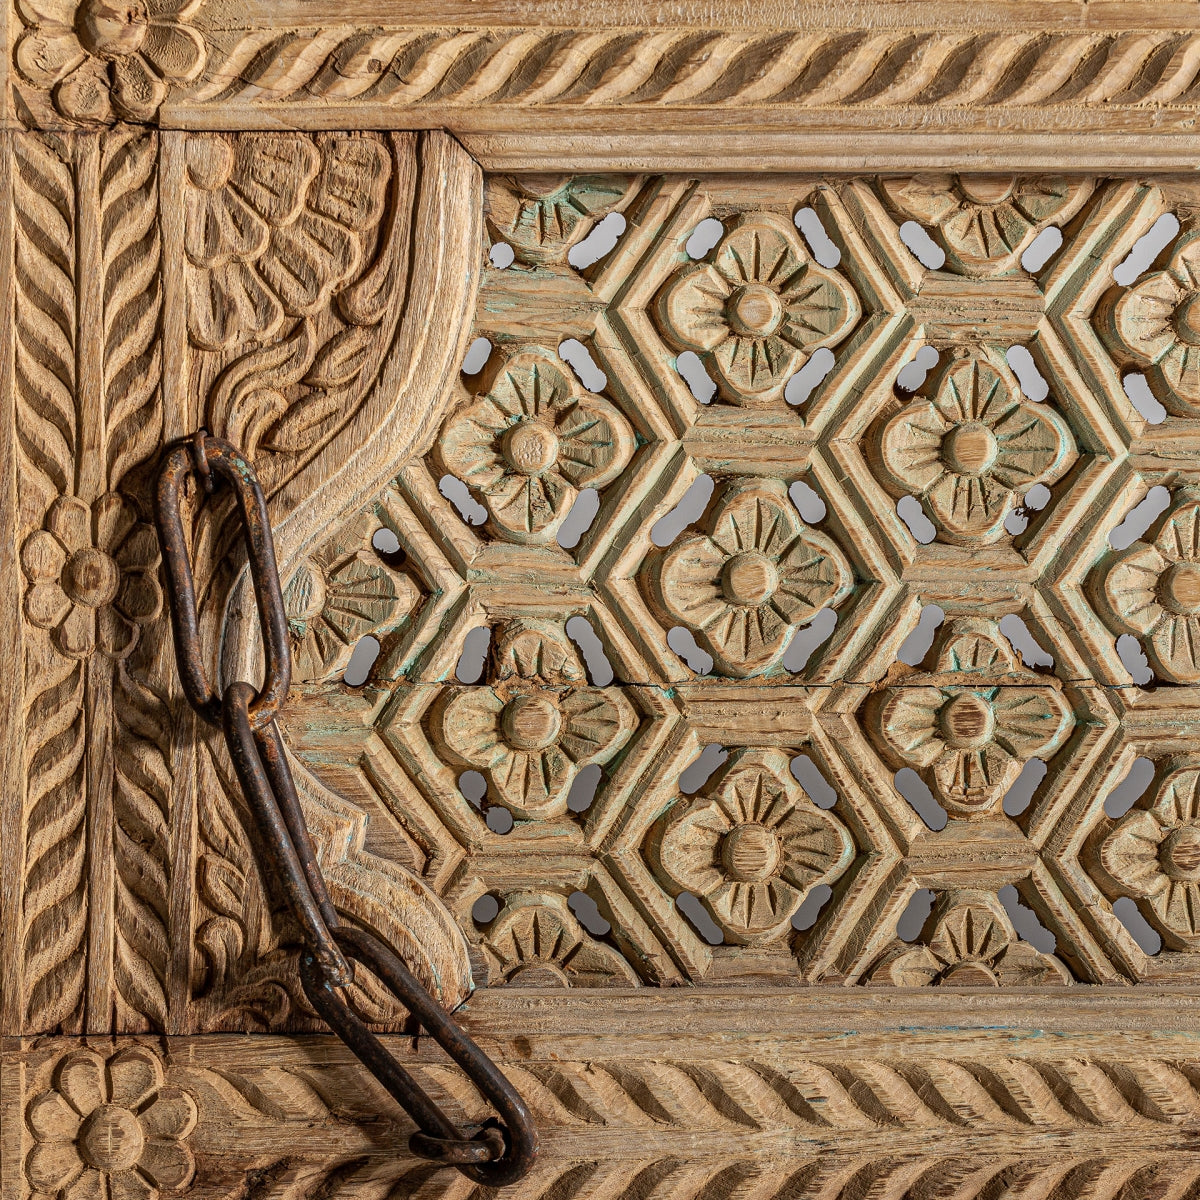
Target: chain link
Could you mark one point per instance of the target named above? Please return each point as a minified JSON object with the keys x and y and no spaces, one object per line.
{"x":500,"y":1151}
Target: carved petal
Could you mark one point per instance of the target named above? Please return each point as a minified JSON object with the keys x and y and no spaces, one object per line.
{"x":820,"y":308}
{"x":44,"y":56}
{"x":1142,"y":316}
{"x":46,"y":604}
{"x":114,"y":633}
{"x":134,"y":1075}
{"x":80,"y":1078}
{"x":745,"y":641}
{"x":762,"y":248}
{"x":1023,"y":966}
{"x":220,"y":226}
{"x":52,"y":1165}
{"x":596,"y":724}
{"x":1031,"y":721}
{"x":690,"y":581}
{"x":51,"y":1118}
{"x":130,"y":1185}
{"x":907,"y":723}
{"x":973,"y":390}
{"x":816,"y":847}
{"x":176,"y":52}
{"x":273,"y":173}
{"x":1130,"y":589}
{"x":1130,"y":854}
{"x":911,"y":445}
{"x":1178,"y":907}
{"x":970,"y":508}
{"x":530,"y":508}
{"x":470,"y":727}
{"x":76,"y":636}
{"x":1180,"y":367}
{"x":813,"y":574}
{"x":969,"y":932}
{"x":226,"y":302}
{"x":971,"y":780}
{"x":70,"y":520}
{"x":1033,"y":443}
{"x":756,"y":516}
{"x":83,"y":93}
{"x":929,"y":197}
{"x":114,"y":517}
{"x":594,"y":443}
{"x":306,"y":260}
{"x":172,"y":1114}
{"x":693,"y":308}
{"x":690,"y":847}
{"x":915,"y":967}
{"x":42,"y":556}
{"x":1178,"y":800}
{"x":1179,"y":538}
{"x":89,"y":1186}
{"x":166,"y":1162}
{"x":351,"y":185}
{"x":1176,"y":645}
{"x":754,"y":366}
{"x":533,"y":783}
{"x":759,"y":910}
{"x":137,"y":91}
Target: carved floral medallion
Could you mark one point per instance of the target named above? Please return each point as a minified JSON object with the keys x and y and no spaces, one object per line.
{"x":110,"y":1129}
{"x":758,"y":309}
{"x":973,"y":449}
{"x":529,"y":740}
{"x":984,"y":222}
{"x":751,"y":846}
{"x":1152,"y":590}
{"x":105,"y":59}
{"x":968,"y":725}
{"x":969,"y":941}
{"x":93,"y":576}
{"x":533,"y":441}
{"x":1156,"y":322}
{"x":1153,"y":854}
{"x":751,"y":579}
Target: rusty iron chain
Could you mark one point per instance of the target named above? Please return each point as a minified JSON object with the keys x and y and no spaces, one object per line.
{"x":500,"y":1151}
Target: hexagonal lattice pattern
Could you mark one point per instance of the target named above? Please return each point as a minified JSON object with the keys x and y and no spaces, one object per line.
{"x":814,"y":648}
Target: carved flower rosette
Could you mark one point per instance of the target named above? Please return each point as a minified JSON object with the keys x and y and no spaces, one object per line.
{"x":973,"y":449}
{"x":758,"y":309}
{"x":532,"y":732}
{"x":754,"y":575}
{"x":1152,"y":590}
{"x":110,"y":1128}
{"x":985,"y":222}
{"x":1155,"y":325}
{"x":970,"y":724}
{"x":532,"y":443}
{"x":1152,"y":853}
{"x":968,"y":941}
{"x":751,"y":846}
{"x":104,"y":59}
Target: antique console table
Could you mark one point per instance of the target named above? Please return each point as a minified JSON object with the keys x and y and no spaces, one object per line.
{"x":734,"y":472}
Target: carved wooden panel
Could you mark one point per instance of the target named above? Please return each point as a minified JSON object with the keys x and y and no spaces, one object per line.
{"x":743,"y":572}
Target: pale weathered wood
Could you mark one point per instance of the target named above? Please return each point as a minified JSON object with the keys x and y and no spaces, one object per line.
{"x":756,"y":898}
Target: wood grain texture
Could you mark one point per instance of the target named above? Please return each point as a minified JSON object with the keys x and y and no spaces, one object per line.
{"x":528,"y":86}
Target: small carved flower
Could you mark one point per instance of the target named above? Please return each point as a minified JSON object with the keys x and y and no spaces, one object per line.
{"x":968,"y":726}
{"x":974,"y":449}
{"x":973,"y":944}
{"x":1154,"y":854}
{"x":745,"y":586}
{"x":759,"y":309}
{"x":537,"y":942}
{"x":751,"y":846}
{"x":532,"y":744}
{"x":530,"y":445}
{"x":109,"y":57}
{"x":92,"y":576}
{"x":1158,"y":321}
{"x":110,"y":1129}
{"x":1152,"y":590}
{"x":330,"y":606}
{"x":986,"y":221}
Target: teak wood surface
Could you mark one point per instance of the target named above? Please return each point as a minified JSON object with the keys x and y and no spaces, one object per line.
{"x":735,"y":470}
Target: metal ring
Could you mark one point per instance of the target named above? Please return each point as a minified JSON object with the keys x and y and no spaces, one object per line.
{"x":224,"y":460}
{"x":521,"y":1142}
{"x":487,"y":1145}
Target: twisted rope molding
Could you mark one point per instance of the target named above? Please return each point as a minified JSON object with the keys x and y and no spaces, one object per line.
{"x":689,"y":67}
